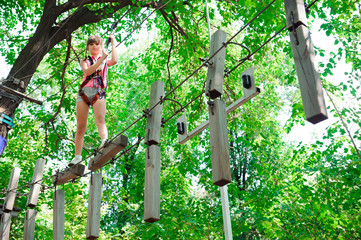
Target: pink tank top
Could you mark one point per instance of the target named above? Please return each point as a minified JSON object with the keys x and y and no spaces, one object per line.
{"x":103,"y":73}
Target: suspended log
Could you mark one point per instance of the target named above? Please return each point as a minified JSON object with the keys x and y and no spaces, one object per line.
{"x":215,"y":74}
{"x":11,"y":194}
{"x":69,"y":174}
{"x":36,"y":183}
{"x":221,"y":169}
{"x":154,"y":119}
{"x":108,"y":152}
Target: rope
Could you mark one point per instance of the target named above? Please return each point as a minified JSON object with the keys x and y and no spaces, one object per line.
{"x":180,"y":109}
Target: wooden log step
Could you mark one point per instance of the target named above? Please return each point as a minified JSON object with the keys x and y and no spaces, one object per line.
{"x":108,"y":152}
{"x":69,"y":174}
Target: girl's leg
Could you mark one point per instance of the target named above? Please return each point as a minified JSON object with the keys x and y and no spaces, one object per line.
{"x":82,"y":110}
{"x":99,"y":114}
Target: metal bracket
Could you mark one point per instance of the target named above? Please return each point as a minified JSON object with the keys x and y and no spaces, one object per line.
{"x":211,"y":104}
{"x":13,"y":98}
{"x":7,"y":120}
{"x":243,"y":46}
{"x":294,"y":28}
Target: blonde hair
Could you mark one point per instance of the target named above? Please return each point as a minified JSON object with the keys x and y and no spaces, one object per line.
{"x":94,"y":39}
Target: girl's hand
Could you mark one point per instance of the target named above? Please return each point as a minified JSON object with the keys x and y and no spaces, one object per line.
{"x":112,"y":38}
{"x":105,"y":54}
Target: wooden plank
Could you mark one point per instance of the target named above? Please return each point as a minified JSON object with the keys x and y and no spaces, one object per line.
{"x":227,"y":225}
{"x":58,"y":215}
{"x":154,"y":120}
{"x":29,"y":225}
{"x":221,"y":170}
{"x":233,"y":106}
{"x":308,"y":76}
{"x":94,"y":205}
{"x":69,"y":174}
{"x":11,"y":194}
{"x":5,"y":226}
{"x":36,"y":183}
{"x":296,"y":13}
{"x":109,"y":151}
{"x":215,"y":74}
{"x":152,"y":184}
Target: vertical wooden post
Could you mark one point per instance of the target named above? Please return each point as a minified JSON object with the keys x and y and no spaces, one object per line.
{"x":10,"y":196}
{"x":29,"y":225}
{"x":5,"y":226}
{"x":226,"y":214}
{"x":152,"y":161}
{"x":304,"y":55}
{"x":221,"y":169}
{"x":152,"y":184}
{"x":58,"y":215}
{"x":94,"y":205}
{"x":215,"y":74}
{"x":154,"y":120}
{"x":36,"y":183}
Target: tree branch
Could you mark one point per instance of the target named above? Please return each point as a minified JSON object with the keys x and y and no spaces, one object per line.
{"x":172,"y":23}
{"x":62,"y":81}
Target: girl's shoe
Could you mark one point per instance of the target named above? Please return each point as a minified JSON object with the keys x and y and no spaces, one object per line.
{"x":76,"y":160}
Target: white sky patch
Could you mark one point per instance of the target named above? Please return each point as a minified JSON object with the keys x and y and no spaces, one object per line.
{"x":5,"y":68}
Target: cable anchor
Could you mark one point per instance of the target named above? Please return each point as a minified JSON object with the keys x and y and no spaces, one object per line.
{"x":226,"y":72}
{"x":146,"y":113}
{"x":211,"y":104}
{"x":294,"y":28}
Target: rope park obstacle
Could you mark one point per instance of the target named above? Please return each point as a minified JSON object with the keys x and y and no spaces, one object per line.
{"x":314,"y":106}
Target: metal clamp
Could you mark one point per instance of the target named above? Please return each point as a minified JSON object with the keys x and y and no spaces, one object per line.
{"x":211,"y":104}
{"x":7,"y":120}
{"x":294,"y":28}
{"x":13,"y":98}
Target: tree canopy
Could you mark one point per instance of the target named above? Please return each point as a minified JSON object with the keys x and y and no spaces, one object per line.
{"x":280,"y":189}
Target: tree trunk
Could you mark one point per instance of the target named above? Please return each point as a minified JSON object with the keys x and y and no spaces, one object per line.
{"x":47,"y":35}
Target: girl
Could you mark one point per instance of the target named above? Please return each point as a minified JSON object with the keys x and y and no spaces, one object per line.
{"x":92,"y":91}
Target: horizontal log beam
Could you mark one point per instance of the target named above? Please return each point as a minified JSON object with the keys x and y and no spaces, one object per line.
{"x":229,"y":109}
{"x":108,"y":152}
{"x":69,"y":174}
{"x":19,"y":94}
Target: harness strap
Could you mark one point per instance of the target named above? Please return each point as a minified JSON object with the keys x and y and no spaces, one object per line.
{"x":100,"y":84}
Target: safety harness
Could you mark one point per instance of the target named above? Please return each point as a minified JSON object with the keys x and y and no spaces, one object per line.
{"x":98,"y":81}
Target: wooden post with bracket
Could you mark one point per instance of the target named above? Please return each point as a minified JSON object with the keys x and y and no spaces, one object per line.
{"x":5,"y":226}
{"x":152,"y":161}
{"x":94,"y":205}
{"x":221,"y":169}
{"x":304,"y":55}
{"x":29,"y":224}
{"x":58,"y":214}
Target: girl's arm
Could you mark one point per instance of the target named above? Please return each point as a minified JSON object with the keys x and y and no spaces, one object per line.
{"x":90,"y":70}
{"x":114,"y":57}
